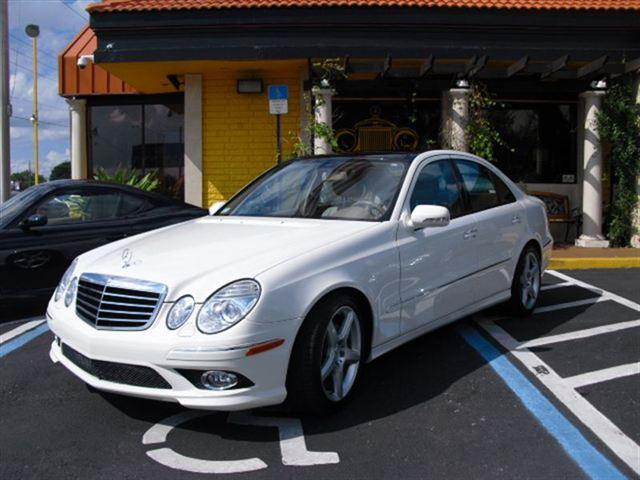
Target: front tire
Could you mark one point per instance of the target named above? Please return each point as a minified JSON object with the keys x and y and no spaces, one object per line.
{"x":327,"y":356}
{"x":525,"y":288}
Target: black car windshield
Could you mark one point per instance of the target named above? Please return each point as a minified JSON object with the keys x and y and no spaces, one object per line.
{"x":16,"y":204}
{"x":347,"y":188}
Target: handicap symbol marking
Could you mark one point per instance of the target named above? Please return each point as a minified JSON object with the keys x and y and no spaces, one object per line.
{"x":293,"y":447}
{"x":278,"y":92}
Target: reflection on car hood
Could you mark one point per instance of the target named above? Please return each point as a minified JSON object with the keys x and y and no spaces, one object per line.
{"x":199,"y":256}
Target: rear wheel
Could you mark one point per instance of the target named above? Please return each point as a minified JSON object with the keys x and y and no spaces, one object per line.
{"x":525,"y":288}
{"x":327,"y":356}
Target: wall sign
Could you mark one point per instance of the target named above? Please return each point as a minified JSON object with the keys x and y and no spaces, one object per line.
{"x":278,"y":99}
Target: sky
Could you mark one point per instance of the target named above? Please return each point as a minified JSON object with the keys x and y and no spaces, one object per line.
{"x":59,"y":21}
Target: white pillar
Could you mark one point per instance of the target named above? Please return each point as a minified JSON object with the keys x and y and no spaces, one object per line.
{"x":324,"y":114}
{"x":592,"y":174}
{"x":78,"y":109}
{"x":459,"y":119}
{"x":193,"y":139}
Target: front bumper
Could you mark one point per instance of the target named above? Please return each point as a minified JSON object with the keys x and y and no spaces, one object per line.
{"x":169,"y":352}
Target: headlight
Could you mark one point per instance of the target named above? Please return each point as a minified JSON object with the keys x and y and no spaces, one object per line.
{"x":180,"y":312}
{"x":71,"y":292}
{"x":64,"y":281}
{"x":228,"y":306}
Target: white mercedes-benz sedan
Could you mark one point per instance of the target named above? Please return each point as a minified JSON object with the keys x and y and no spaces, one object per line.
{"x":317,"y":267}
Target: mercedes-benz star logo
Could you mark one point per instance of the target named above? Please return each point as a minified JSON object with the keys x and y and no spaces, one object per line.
{"x":127,"y":255}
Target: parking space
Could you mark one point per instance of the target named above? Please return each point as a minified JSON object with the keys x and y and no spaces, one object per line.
{"x":553,"y":396}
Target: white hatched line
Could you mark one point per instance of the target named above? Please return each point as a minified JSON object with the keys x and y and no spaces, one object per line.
{"x":603,"y":375}
{"x":587,"y":332}
{"x":612,"y":296}
{"x":20,"y":330}
{"x":577,"y":303}
{"x":625,"y":448}
{"x":553,"y":286}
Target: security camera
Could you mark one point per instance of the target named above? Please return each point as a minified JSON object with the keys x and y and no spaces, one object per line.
{"x":84,"y":60}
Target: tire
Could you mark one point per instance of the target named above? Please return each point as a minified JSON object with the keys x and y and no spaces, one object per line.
{"x":325,"y":366}
{"x":525,"y":288}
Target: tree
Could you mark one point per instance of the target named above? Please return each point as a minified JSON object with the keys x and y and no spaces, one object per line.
{"x":25,"y":178}
{"x":60,"y":171}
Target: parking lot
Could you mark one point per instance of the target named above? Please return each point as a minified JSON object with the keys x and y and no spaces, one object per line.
{"x":553,"y":396}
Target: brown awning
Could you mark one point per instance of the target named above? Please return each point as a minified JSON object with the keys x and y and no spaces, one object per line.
{"x":92,"y":80}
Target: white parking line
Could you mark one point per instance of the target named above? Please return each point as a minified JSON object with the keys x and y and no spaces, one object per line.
{"x":620,"y":444}
{"x":564,"y":389}
{"x":553,"y":286}
{"x":25,"y":327}
{"x":577,"y":303}
{"x":587,"y":332}
{"x":603,"y":375}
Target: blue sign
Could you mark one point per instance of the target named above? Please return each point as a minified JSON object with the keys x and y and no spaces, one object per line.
{"x":278,"y":92}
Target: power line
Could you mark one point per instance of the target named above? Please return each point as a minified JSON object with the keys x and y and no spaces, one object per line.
{"x":86,"y":19}
{"x":29,"y":45}
{"x":40,"y":62}
{"x":30,"y":101}
{"x":40,"y":121}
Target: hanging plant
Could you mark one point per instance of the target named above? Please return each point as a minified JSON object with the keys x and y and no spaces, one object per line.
{"x":312,"y":129}
{"x":619,"y":124}
{"x":483,"y":136}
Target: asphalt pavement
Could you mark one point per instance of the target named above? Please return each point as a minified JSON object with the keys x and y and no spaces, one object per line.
{"x":552,"y":396}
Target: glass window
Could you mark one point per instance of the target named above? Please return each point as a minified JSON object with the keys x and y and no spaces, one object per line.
{"x":67,"y":208}
{"x":437,"y":185}
{"x":540,"y":141}
{"x":146,"y":137}
{"x":361,"y":188}
{"x":484,"y":188}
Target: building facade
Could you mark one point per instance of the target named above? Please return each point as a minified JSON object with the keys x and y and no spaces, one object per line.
{"x":181,"y":86}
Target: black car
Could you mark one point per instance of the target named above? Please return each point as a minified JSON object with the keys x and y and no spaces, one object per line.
{"x":44,"y":228}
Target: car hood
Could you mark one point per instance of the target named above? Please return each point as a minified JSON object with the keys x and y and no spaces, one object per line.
{"x":199,"y":256}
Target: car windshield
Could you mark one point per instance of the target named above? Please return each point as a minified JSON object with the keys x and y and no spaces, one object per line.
{"x":347,"y":188}
{"x":16,"y":204}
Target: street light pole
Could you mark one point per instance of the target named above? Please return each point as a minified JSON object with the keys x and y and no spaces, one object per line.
{"x":5,"y":150}
{"x":33,"y":31}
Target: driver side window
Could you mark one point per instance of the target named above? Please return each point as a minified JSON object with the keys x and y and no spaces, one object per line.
{"x":437,"y":185}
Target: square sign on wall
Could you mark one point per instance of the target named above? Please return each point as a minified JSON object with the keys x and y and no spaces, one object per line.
{"x":278,"y":99}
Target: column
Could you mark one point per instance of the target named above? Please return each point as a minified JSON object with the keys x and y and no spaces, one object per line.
{"x":324,"y":114}
{"x":591,"y":174}
{"x":78,"y":109}
{"x":193,"y":139}
{"x":459,"y":119}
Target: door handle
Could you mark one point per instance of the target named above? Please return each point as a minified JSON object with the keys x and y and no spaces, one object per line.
{"x":515,"y":219}
{"x":470,"y":233}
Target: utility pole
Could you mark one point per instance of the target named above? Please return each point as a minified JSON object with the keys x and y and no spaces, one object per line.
{"x":5,"y":167}
{"x":33,"y":31}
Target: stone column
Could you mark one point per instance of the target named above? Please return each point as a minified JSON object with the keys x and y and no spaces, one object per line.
{"x":324,"y":114}
{"x":592,"y":174}
{"x":193,"y":193}
{"x":459,"y":119}
{"x":78,"y":109}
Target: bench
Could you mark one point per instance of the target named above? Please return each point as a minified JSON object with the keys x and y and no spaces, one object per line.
{"x":558,"y":211}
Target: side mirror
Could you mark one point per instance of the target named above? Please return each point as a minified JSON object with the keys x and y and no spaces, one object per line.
{"x":215,"y":206}
{"x":429,"y":216}
{"x":34,"y":220}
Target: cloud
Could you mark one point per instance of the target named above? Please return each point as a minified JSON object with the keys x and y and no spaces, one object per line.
{"x":58,"y":157}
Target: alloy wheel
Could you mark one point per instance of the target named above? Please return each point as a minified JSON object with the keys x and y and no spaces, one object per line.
{"x":530,"y":280}
{"x":341,"y":354}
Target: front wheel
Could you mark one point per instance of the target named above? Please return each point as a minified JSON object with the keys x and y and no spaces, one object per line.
{"x":525,"y":288}
{"x":327,"y":356}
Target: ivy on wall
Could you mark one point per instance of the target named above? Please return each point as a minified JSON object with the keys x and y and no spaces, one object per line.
{"x":619,"y":124}
{"x":483,"y":136}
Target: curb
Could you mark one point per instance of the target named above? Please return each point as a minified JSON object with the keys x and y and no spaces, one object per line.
{"x":584,"y":263}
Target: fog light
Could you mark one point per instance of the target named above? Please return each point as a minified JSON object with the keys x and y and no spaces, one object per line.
{"x":219,"y":380}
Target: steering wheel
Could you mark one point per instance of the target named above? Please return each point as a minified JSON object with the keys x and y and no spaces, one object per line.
{"x":374,"y":209}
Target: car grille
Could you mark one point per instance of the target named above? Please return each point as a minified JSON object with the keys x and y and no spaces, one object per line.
{"x":135,"y":375}
{"x":118,"y":303}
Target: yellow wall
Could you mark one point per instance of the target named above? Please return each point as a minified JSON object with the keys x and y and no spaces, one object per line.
{"x":239,"y":134}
